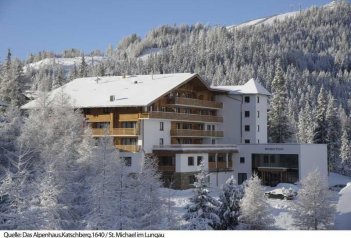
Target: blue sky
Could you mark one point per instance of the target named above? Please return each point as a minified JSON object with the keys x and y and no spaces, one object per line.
{"x":32,"y":25}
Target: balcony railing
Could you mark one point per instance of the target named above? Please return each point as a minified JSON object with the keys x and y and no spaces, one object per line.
{"x":195,"y":133}
{"x":98,"y":118}
{"x":116,"y":132}
{"x":192,"y":102}
{"x":166,"y":168}
{"x":129,"y":117}
{"x":219,"y":166}
{"x":182,"y":116}
{"x":128,"y":148}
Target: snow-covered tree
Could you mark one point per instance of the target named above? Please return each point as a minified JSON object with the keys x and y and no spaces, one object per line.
{"x":313,"y":207}
{"x":345,"y":153}
{"x":54,"y":132}
{"x":229,"y":209}
{"x":305,"y":125}
{"x":11,"y":75}
{"x":321,"y":128}
{"x":105,"y":195}
{"x":279,"y":127}
{"x":333,"y":134}
{"x":148,"y":212}
{"x":254,"y":206}
{"x":83,"y":68}
{"x":202,"y":212}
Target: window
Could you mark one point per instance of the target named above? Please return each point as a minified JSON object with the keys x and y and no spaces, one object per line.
{"x":112,"y":98}
{"x":242,"y":160}
{"x":213,"y":141}
{"x":247,"y":141}
{"x":220,"y":158}
{"x":127,"y":161}
{"x":247,"y":99}
{"x":199,"y":160}
{"x":211,"y":158}
{"x":258,"y":141}
{"x":190,"y":161}
{"x":258,"y":114}
{"x":241,"y":177}
{"x":258,"y":99}
{"x":191,"y":179}
{"x":161,"y":141}
{"x":247,"y":113}
{"x":161,"y":126}
{"x":208,"y":127}
{"x":213,"y":127}
{"x":258,"y":128}
{"x":247,"y":128}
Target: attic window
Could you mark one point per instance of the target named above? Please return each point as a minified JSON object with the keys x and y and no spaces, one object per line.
{"x":112,"y":98}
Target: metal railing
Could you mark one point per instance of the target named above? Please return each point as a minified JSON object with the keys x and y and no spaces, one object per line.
{"x":195,"y":133}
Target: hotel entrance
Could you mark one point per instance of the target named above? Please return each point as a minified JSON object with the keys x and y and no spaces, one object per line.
{"x":276,"y":168}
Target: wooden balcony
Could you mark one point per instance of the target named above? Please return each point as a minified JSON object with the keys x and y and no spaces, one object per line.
{"x":183,"y":117}
{"x":192,"y":102}
{"x":123,"y":132}
{"x":195,"y":133}
{"x":98,"y":118}
{"x":212,"y":166}
{"x":166,"y":168}
{"x":129,"y":117}
{"x":219,"y":166}
{"x":128,"y":148}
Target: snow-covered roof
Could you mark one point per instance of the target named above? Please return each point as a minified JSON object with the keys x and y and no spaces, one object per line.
{"x":128,"y":91}
{"x":251,"y":87}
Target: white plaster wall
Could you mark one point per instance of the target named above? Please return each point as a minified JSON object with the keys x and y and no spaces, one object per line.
{"x":152,"y":134}
{"x":137,"y":160}
{"x":218,"y":179}
{"x":251,"y":121}
{"x":313,"y":157}
{"x":231,"y":113}
{"x":262,"y":120}
{"x":182,"y":162}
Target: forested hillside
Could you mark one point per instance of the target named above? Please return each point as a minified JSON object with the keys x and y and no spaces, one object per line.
{"x":313,"y":48}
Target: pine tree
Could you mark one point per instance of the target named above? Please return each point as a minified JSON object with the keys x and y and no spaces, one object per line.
{"x":333,"y":134}
{"x":148,"y":207}
{"x":10,"y":78}
{"x":321,"y":128}
{"x":229,"y":210}
{"x":202,"y":212}
{"x":83,"y":68}
{"x":305,"y":125}
{"x":254,"y":206}
{"x":313,"y":209}
{"x":278,"y":123}
{"x":345,"y":153}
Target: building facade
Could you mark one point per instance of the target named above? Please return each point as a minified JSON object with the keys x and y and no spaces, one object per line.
{"x":182,"y":122}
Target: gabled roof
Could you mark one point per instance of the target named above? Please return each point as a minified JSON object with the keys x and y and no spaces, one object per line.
{"x":129,"y":91}
{"x":251,"y":87}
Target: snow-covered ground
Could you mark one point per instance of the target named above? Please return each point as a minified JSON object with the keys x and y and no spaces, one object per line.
{"x":271,"y":19}
{"x":67,"y":63}
{"x":282,"y":209}
{"x":148,"y":52}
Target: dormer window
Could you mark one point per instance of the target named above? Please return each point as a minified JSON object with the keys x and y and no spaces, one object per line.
{"x":112,"y":98}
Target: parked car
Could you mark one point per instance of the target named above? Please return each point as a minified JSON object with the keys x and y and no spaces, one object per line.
{"x":283,"y":191}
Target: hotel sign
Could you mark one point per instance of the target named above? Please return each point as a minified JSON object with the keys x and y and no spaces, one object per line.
{"x":274,"y":148}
